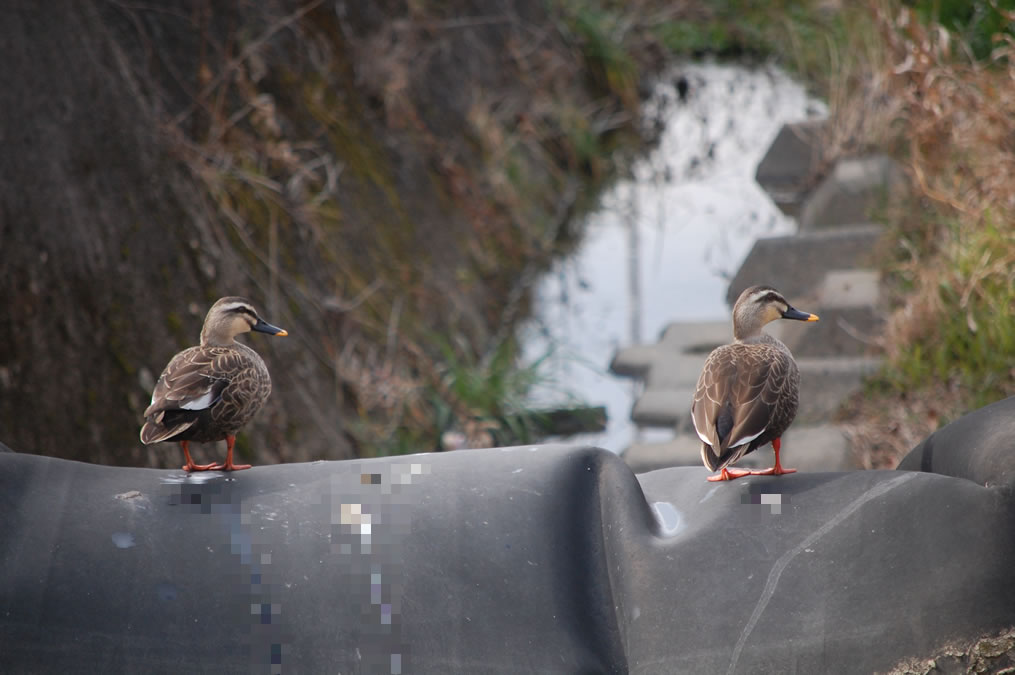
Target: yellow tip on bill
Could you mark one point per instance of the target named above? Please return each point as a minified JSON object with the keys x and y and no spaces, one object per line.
{"x":283,"y":333}
{"x":812,"y":317}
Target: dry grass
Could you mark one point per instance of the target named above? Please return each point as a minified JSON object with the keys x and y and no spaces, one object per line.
{"x":863,"y":113}
{"x":987,"y":654}
{"x":950,"y":342}
{"x":400,"y":218}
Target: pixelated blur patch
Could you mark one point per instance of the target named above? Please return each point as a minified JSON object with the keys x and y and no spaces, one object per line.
{"x":769,"y":501}
{"x":238,"y":532}
{"x":369,"y":507}
{"x":203,"y":494}
{"x":166,"y":591}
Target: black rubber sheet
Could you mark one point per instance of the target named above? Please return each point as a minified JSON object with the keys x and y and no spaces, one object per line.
{"x":549,"y":559}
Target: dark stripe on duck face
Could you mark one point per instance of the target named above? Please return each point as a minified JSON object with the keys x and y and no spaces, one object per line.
{"x":242,"y":309}
{"x":771,"y":296}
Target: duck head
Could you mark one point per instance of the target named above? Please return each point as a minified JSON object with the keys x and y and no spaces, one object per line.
{"x":231,"y":316}
{"x":759,"y":305}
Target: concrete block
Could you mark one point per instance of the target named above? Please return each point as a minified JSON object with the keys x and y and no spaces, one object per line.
{"x":797,"y":264}
{"x":662,"y":407}
{"x":676,"y":371}
{"x":822,"y":447}
{"x":842,"y":331}
{"x":682,"y":450}
{"x":691,"y":338}
{"x":807,"y":448}
{"x":848,"y":302}
{"x":790,"y":167}
{"x":697,"y":337}
{"x":670,"y":369}
{"x":826,"y":382}
{"x":854,"y":187}
{"x":634,"y":361}
{"x":850,"y":288}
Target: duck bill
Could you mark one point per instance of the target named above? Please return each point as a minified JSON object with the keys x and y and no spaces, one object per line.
{"x":797,"y":315}
{"x":263,"y":326}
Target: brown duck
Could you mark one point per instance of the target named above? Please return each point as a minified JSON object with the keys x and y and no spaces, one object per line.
{"x":747,"y":394}
{"x":209,"y":392}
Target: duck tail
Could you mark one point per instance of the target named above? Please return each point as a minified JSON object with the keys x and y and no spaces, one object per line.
{"x":717,"y":461}
{"x":709,"y":458}
{"x":154,"y":431}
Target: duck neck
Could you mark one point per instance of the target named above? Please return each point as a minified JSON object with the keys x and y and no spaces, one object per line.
{"x":741,"y":334}
{"x":211,"y":339}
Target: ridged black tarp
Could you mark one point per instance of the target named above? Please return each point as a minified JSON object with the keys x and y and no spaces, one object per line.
{"x":546,"y":559}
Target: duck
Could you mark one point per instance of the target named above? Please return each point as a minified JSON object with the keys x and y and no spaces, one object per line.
{"x":209,"y":392}
{"x":748,"y":391}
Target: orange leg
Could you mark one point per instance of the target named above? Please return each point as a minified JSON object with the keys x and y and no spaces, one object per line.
{"x":776,"y":470}
{"x":229,"y":466}
{"x":190,"y":466}
{"x":729,"y":474}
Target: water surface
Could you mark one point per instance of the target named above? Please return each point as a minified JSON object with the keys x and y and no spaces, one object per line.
{"x":663,"y":245}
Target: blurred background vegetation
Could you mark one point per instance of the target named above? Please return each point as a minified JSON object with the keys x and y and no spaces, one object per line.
{"x":387,"y":180}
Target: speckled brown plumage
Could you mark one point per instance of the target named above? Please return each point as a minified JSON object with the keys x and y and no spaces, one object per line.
{"x":744,"y":389}
{"x":234,"y":376}
{"x":209,"y":392}
{"x":747,"y":394}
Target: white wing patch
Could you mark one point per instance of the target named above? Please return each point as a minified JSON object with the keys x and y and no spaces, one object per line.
{"x":199,"y":403}
{"x":750,"y":438}
{"x":704,"y":439}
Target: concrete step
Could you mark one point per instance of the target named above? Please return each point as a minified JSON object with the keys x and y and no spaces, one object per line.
{"x":670,"y":369}
{"x":824,"y":384}
{"x":850,"y":288}
{"x":682,"y":348}
{"x":682,"y":450}
{"x":792,"y":165}
{"x":845,"y":332}
{"x":848,"y":302}
{"x":797,"y":264}
{"x":663,"y":408}
{"x":806,"y":448}
{"x":851,"y":191}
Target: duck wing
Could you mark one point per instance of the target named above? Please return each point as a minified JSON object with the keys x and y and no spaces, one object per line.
{"x":189,"y":385}
{"x":737,"y":394}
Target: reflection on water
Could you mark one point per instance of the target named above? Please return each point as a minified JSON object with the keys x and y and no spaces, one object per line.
{"x":663,"y":244}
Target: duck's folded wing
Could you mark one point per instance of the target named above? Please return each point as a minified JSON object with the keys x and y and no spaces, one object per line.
{"x":734,"y":400}
{"x":187,"y":384}
{"x":185,"y":389}
{"x":759,"y":394}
